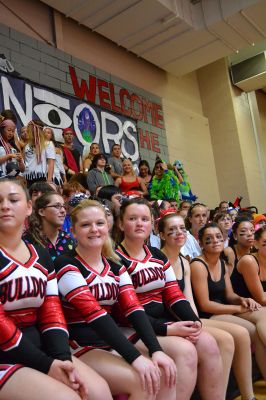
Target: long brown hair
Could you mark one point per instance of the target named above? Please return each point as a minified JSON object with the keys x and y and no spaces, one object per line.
{"x":35,"y":230}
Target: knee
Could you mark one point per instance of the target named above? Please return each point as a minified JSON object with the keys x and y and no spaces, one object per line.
{"x":67,"y":394}
{"x":186,"y":354}
{"x":242,"y":336}
{"x":99,"y":391}
{"x":226,"y":343}
{"x":207,"y":346}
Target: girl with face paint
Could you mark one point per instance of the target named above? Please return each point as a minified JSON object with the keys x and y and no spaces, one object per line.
{"x":216,"y":300}
{"x":155,"y":284}
{"x":173,"y":236}
{"x":241,"y":241}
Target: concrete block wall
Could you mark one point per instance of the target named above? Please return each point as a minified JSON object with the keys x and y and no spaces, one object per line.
{"x":48,"y":66}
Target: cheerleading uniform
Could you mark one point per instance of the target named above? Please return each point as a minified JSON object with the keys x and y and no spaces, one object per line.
{"x":155,"y":284}
{"x":32,"y":327}
{"x":89,"y":297}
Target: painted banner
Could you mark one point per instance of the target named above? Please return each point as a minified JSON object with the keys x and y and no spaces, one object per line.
{"x":91,"y":122}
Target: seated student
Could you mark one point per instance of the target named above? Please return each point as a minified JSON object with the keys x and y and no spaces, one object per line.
{"x":129,"y":180}
{"x":249,"y":277}
{"x":39,"y":188}
{"x":71,"y":156}
{"x":87,"y":159}
{"x":10,"y":152}
{"x":197,"y":217}
{"x":155,"y":284}
{"x":216,"y":299}
{"x":59,"y":176}
{"x":45,"y":225}
{"x":241,"y":241}
{"x":92,"y":283}
{"x":97,"y":176}
{"x":113,"y":194}
{"x":228,"y":336}
{"x":225,"y":223}
{"x":115,"y":161}
{"x":39,"y":156}
{"x":145,"y":172}
{"x":35,"y":359}
{"x":69,"y":190}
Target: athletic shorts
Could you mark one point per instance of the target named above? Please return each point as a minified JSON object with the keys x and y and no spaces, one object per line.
{"x":6,"y":371}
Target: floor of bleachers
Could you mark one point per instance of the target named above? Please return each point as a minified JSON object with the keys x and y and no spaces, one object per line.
{"x":259,"y":390}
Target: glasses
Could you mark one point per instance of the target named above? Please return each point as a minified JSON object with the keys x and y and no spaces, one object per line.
{"x":58,"y":206}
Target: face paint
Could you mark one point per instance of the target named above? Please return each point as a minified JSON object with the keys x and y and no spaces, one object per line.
{"x":174,"y":231}
{"x":213,"y":239}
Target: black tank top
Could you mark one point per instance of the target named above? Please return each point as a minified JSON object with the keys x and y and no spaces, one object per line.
{"x":236,"y":259}
{"x":181,"y":282}
{"x":216,"y":288}
{"x":239,"y":284}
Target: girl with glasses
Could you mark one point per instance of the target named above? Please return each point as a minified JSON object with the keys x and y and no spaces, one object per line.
{"x":45,"y":225}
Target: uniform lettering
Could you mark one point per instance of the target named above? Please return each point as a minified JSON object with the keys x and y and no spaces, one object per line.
{"x":21,"y":288}
{"x":146,"y":276}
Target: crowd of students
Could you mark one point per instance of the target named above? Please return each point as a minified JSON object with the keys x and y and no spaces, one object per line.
{"x":112,"y":285}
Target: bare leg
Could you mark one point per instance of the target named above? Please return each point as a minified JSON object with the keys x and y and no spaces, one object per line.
{"x":210,"y":368}
{"x":242,"y":363}
{"x":28,"y":384}
{"x":185,"y":357}
{"x":258,"y":338}
{"x":98,"y":387}
{"x":226,"y":346}
{"x":120,"y":376}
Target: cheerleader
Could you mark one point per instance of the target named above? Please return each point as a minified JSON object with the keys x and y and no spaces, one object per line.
{"x":35,"y":360}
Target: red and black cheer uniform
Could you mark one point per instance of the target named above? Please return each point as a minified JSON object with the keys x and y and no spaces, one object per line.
{"x":157,"y":289}
{"x":88,"y":300}
{"x":32,"y":326}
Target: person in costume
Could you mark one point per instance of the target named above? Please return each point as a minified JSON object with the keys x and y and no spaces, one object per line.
{"x":10,"y":152}
{"x":93,"y":285}
{"x":164,"y":184}
{"x":185,"y":188}
{"x":167,"y":308}
{"x":59,"y":170}
{"x":35,"y":359}
{"x":71,"y":156}
{"x":39,"y":156}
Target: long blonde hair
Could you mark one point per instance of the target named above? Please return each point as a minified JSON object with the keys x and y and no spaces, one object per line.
{"x":107,"y":249}
{"x":36,"y":138}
